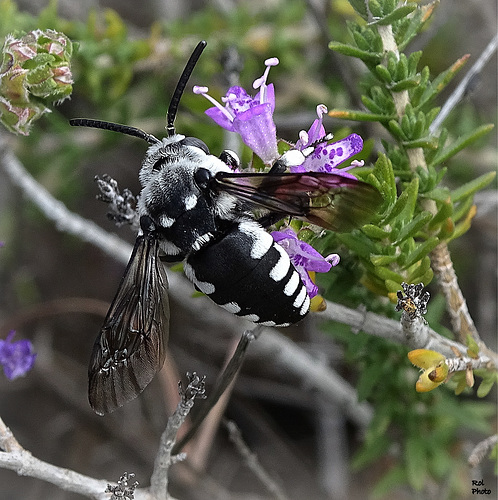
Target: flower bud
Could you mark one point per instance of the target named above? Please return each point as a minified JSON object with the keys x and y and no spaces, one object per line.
{"x":35,"y":71}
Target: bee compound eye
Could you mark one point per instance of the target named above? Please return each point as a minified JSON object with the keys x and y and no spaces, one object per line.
{"x":202,"y":177}
{"x":230,"y":158}
{"x":147,"y":224}
{"x":195,"y":142}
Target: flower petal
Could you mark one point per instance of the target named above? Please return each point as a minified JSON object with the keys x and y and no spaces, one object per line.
{"x":220,"y":118}
{"x":327,"y":158}
{"x":425,"y":358}
{"x":269,"y":97}
{"x":304,"y":258}
{"x":258,"y":131}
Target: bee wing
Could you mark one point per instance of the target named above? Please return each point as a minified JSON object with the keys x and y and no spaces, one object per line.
{"x":328,"y":200}
{"x":131,"y":345}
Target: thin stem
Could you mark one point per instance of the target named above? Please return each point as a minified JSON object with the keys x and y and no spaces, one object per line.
{"x":225,"y":380}
{"x":480,"y":451}
{"x":464,"y":86}
{"x":252,"y":461}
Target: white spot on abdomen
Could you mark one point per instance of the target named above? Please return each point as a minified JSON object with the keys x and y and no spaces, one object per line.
{"x":292,"y":284}
{"x":203,"y":286}
{"x":301,"y":297}
{"x":261,"y":240}
{"x":281,"y":268}
{"x":306,"y":306}
{"x":231,"y":307}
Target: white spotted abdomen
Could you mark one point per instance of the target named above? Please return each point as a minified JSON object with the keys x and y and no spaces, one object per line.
{"x":250,"y":275}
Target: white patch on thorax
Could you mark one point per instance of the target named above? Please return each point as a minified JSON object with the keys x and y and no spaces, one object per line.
{"x":169,"y":248}
{"x":190,"y":201}
{"x":166,"y":221}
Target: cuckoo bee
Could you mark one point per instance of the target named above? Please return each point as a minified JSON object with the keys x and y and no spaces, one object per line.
{"x":195,"y":208}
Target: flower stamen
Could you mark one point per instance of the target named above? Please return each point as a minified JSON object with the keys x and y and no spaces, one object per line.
{"x":200,"y":90}
{"x":260,"y":83}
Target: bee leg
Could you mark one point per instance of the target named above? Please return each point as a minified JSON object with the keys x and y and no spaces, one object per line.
{"x":270,"y":219}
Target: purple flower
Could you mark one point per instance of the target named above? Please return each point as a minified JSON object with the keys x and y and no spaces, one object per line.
{"x":326,"y":157}
{"x":17,"y":358}
{"x":304,"y":257}
{"x":251,"y":117}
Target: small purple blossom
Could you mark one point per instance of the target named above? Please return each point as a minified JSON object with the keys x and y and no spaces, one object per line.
{"x":326,"y":157}
{"x":17,"y":358}
{"x":304,"y":257}
{"x":250,"y":117}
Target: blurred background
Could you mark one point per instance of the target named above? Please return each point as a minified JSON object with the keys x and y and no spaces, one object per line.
{"x":55,"y":290}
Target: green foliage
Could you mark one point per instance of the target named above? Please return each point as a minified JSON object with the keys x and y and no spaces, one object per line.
{"x":425,"y":425}
{"x":419,"y":212}
{"x":400,"y":97}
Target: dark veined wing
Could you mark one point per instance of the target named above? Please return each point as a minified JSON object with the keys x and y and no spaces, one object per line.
{"x":131,"y":346}
{"x":328,"y":200}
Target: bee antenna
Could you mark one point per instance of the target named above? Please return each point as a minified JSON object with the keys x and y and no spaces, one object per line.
{"x":114,"y":127}
{"x":180,"y":87}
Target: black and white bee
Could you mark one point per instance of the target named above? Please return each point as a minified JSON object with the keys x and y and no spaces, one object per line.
{"x":194,"y":208}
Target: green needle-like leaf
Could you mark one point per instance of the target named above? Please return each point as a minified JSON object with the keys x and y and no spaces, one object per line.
{"x":397,"y":14}
{"x":349,"y":50}
{"x":460,"y":144}
{"x":471,"y":187}
{"x":421,"y":251}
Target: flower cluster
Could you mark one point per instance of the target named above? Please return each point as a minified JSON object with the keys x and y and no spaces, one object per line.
{"x":17,"y":358}
{"x":34,"y":65}
{"x":252,"y":119}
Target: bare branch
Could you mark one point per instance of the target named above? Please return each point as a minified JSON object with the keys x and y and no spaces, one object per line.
{"x":55,"y":210}
{"x":252,"y":461}
{"x":389,"y":329}
{"x":287,"y":356}
{"x":22,"y":462}
{"x":480,"y":451}
{"x":199,"y":448}
{"x":225,"y":380}
{"x":464,"y":86}
{"x":159,"y":480}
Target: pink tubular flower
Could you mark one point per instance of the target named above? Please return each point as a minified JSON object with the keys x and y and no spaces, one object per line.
{"x":17,"y":358}
{"x":251,"y":117}
{"x":304,"y":257}
{"x":326,"y":157}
